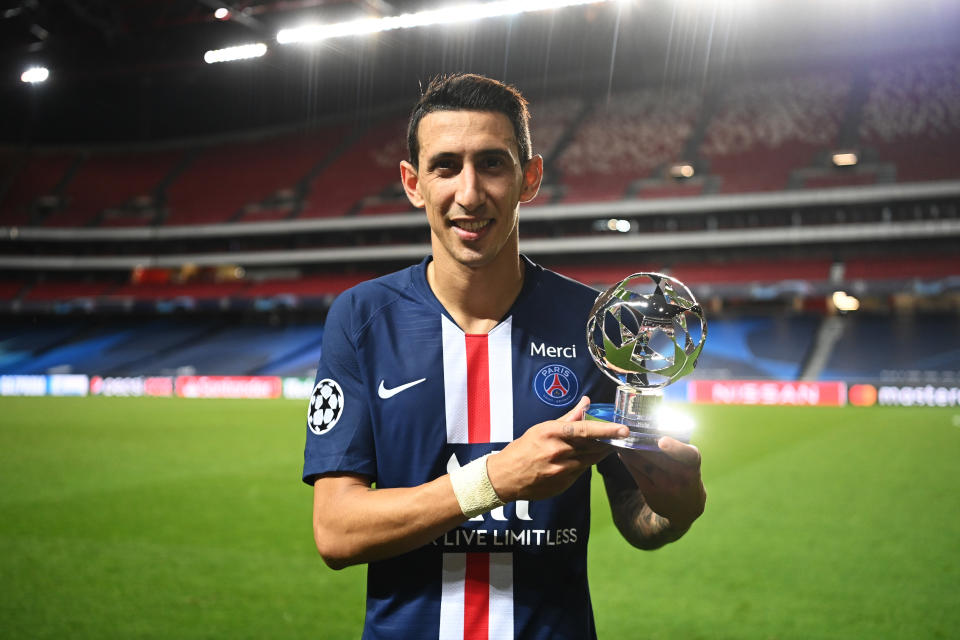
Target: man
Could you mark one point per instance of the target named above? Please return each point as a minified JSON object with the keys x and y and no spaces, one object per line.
{"x":458,"y":386}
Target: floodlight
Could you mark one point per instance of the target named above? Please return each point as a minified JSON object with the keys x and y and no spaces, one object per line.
{"x":682,"y":170}
{"x":844,"y":302}
{"x":35,"y":75}
{"x":615,"y":224}
{"x":241,"y":52}
{"x":456,"y":13}
{"x":845,"y":158}
{"x":222,"y":13}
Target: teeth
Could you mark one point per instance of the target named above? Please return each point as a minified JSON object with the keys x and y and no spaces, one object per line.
{"x":469,"y":225}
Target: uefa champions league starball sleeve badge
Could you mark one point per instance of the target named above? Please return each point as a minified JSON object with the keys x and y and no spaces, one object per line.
{"x":645,"y":333}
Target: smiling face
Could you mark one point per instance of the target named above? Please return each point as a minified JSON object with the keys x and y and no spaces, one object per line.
{"x":470,"y":181}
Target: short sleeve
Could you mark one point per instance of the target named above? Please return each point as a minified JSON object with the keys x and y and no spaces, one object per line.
{"x":339,"y":430}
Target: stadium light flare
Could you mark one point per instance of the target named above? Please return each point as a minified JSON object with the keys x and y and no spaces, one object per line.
{"x":674,"y":422}
{"x":35,"y":75}
{"x":682,"y":170}
{"x":457,"y":13}
{"x":614,"y":224}
{"x":844,"y":302}
{"x":241,"y":52}
{"x":845,"y":158}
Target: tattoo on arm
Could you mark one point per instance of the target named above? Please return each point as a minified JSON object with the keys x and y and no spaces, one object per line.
{"x":637,"y":522}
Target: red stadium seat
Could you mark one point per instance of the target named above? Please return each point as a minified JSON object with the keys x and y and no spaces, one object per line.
{"x":54,"y":291}
{"x":110,"y":181}
{"x":224,"y":178}
{"x":762,"y":130}
{"x":624,"y":140}
{"x":369,"y":166}
{"x":910,"y":119}
{"x":36,"y":177}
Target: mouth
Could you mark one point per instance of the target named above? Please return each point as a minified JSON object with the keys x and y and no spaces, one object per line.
{"x":471,"y":226}
{"x":470,"y":230}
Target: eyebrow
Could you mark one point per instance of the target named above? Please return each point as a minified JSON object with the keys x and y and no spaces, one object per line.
{"x":446,"y":155}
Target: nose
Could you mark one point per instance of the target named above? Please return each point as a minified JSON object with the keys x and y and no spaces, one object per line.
{"x":470,"y":194}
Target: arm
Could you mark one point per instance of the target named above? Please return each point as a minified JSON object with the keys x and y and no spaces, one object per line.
{"x":353,"y":523}
{"x":660,"y":498}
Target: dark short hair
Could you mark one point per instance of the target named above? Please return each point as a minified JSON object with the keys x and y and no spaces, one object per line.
{"x":471,"y":92}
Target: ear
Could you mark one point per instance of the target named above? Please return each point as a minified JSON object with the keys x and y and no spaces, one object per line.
{"x":532,"y":177}
{"x":410,"y":181}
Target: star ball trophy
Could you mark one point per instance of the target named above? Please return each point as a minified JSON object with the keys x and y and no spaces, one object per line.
{"x":644,"y":333}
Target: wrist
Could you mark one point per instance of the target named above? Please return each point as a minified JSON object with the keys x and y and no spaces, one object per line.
{"x":472,"y":487}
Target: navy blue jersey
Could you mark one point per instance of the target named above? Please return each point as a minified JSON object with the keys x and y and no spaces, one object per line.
{"x":403,"y":395}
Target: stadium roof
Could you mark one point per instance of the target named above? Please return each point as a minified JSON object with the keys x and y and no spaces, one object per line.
{"x":134,"y":70}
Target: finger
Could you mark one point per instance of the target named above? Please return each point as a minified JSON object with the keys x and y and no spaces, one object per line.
{"x":686,"y":454}
{"x":577,"y":412}
{"x":592,"y":429}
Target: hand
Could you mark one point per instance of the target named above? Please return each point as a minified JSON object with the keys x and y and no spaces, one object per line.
{"x":669,"y":480}
{"x":550,"y":456}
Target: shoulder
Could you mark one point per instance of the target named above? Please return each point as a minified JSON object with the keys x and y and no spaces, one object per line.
{"x":563,"y":289}
{"x":357,"y":306}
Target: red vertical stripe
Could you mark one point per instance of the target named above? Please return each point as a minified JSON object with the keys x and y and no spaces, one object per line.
{"x":478,"y":388}
{"x":476,"y":598}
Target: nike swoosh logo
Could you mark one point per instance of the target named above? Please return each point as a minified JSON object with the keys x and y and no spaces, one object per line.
{"x":385,"y":393}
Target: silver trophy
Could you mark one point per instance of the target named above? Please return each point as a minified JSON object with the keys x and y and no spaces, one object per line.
{"x":644,"y":333}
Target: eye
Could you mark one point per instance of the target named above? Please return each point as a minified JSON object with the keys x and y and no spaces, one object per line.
{"x":444,"y":166}
{"x":492,"y":162}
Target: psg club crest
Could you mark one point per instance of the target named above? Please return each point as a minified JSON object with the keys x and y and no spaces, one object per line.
{"x":556,"y":385}
{"x":326,"y":405}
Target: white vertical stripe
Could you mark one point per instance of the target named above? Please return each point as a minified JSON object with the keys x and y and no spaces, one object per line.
{"x":500,"y":352}
{"x":501,"y":596}
{"x":455,"y":381}
{"x":452,"y":596}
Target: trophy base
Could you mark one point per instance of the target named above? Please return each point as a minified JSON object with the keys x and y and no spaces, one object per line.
{"x":604,"y":412}
{"x":637,"y":410}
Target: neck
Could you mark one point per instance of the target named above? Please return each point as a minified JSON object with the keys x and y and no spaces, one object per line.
{"x":477,"y":297}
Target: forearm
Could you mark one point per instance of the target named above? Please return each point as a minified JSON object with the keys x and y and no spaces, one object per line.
{"x":640,"y":525}
{"x":354,"y":523}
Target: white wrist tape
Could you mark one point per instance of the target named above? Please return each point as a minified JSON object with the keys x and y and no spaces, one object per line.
{"x":471,"y":485}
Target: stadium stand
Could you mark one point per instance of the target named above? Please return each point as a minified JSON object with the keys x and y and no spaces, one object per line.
{"x":33,"y":187}
{"x":550,"y":122}
{"x":624,"y":140}
{"x":874,"y":348}
{"x":194,"y":290}
{"x":757,"y":347}
{"x":755,"y":135}
{"x":233,"y":181}
{"x":10,"y":289}
{"x":761,"y":130}
{"x":912,"y":118}
{"x":306,"y":286}
{"x":752,"y":271}
{"x":117,"y":189}
{"x":706,"y":273}
{"x":159,"y":347}
{"x":367,"y":168}
{"x":142,"y":343}
{"x":899,"y":267}
{"x":64,"y":291}
{"x":238,"y":350}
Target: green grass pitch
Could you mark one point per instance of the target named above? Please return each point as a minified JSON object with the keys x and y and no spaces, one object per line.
{"x":169,"y":518}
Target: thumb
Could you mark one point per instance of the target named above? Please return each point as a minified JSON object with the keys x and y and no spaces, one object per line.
{"x":577,"y":412}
